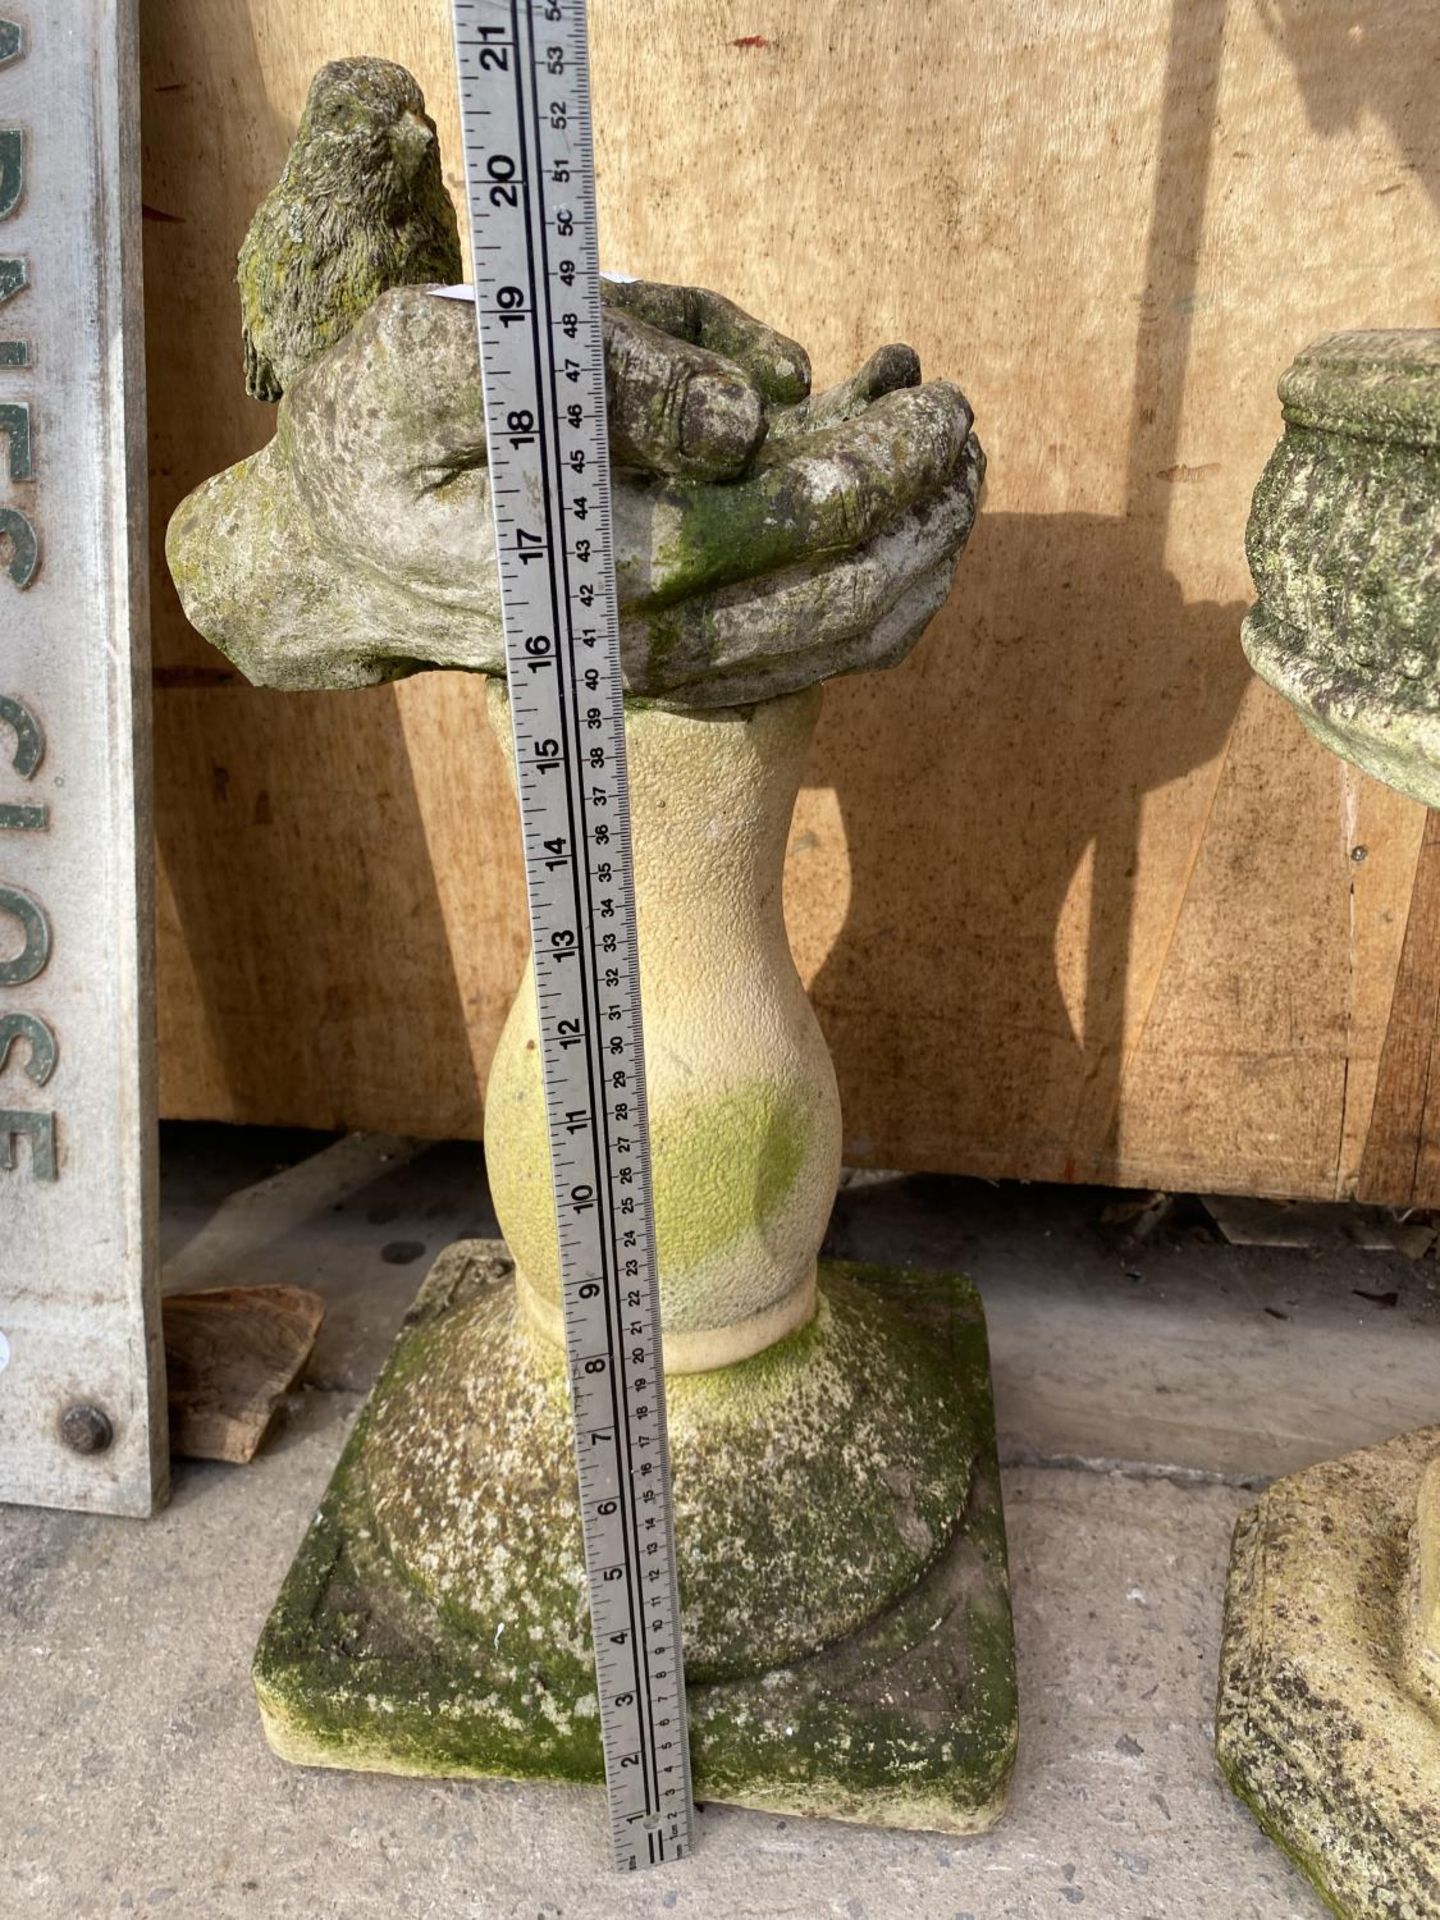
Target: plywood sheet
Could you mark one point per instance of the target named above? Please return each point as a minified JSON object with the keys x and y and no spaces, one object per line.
{"x":1402,"y":1148}
{"x":1077,"y":898}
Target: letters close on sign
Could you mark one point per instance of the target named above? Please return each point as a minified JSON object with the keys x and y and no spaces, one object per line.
{"x":81,"y":1369}
{"x":18,"y":529}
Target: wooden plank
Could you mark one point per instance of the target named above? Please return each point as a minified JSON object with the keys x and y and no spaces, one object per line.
{"x":1383,"y":833}
{"x":1402,"y":1152}
{"x":1135,"y":946}
{"x":351,"y":943}
{"x":1251,"y":1025}
{"x":82,"y":1402}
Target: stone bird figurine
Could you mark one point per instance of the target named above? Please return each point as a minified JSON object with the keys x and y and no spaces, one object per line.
{"x":361,"y":207}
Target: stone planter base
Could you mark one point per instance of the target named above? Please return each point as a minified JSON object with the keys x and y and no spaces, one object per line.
{"x":1386,"y":734}
{"x":908,"y":1721}
{"x":1326,"y":1724}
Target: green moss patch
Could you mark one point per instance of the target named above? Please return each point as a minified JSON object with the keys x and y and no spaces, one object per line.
{"x":908,"y":1721}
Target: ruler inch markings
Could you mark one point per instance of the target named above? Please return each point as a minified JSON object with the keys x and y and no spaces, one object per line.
{"x":527,"y":137}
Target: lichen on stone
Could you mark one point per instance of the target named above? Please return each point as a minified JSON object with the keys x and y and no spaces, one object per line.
{"x":909,"y":1720}
{"x":1344,"y":548}
{"x":1322,"y":1725}
{"x":812,"y":1483}
{"x":754,"y":555}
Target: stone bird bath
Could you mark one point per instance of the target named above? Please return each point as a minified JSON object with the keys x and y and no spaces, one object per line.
{"x":845,"y":1605}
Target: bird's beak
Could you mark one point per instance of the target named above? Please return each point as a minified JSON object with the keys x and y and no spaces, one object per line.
{"x":411,"y":141}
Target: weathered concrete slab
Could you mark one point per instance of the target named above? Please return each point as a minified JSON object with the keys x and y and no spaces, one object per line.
{"x":137,"y":1774}
{"x":140,"y":1778}
{"x":1180,"y":1352}
{"x":360,"y":1221}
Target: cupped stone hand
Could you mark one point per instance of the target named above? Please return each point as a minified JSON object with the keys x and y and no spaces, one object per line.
{"x":765,"y":539}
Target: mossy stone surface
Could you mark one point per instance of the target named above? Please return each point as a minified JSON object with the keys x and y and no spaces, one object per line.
{"x":361,"y":207}
{"x":1344,"y":548}
{"x":813,"y":1482}
{"x":909,"y":1720}
{"x":1323,"y":1725}
{"x":358,"y":546}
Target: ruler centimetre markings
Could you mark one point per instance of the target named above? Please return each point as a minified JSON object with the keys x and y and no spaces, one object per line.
{"x":525,"y":114}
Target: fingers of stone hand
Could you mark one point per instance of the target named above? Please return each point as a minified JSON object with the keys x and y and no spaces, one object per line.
{"x":884,"y":372}
{"x":675,"y":408}
{"x":840,"y":486}
{"x":888,"y":370}
{"x":760,"y":639}
{"x":825,"y":493}
{"x":778,"y":367}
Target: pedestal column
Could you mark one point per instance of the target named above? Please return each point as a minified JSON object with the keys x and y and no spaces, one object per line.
{"x":744,"y":1111}
{"x":840,"y":1544}
{"x":821,"y":1447}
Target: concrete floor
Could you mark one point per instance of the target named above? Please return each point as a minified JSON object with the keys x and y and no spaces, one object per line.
{"x":1143,"y":1390}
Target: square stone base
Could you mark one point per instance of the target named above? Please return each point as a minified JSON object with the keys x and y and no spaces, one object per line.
{"x":910,"y":1722}
{"x":1322,"y":1727}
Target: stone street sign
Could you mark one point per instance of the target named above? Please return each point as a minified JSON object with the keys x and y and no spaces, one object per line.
{"x":81,"y":1365}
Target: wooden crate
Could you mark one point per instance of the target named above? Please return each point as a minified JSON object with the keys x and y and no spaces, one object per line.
{"x":1076,"y":897}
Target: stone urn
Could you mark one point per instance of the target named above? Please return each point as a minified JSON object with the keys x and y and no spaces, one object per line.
{"x":1328,"y":1722}
{"x":845,"y":1607}
{"x":1342,"y":544}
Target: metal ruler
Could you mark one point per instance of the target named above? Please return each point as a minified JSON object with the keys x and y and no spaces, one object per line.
{"x":529,"y":162}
